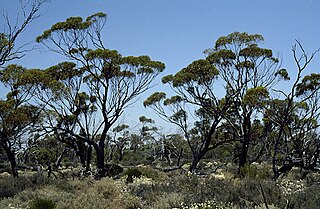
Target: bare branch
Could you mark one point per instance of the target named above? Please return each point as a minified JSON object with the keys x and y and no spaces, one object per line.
{"x":12,"y":31}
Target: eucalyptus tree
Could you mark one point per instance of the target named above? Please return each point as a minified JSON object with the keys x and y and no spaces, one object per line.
{"x":150,"y":136}
{"x":168,"y":147}
{"x":247,"y":73}
{"x":121,"y":138}
{"x":293,"y":122}
{"x":111,"y":81}
{"x":176,"y":148}
{"x":144,"y":135}
{"x":194,"y":88}
{"x":58,"y":89}
{"x":148,"y":130}
{"x":18,"y":115}
{"x":47,"y":151}
{"x":142,"y":143}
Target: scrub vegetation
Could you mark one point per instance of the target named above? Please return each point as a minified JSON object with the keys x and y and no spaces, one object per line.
{"x":241,"y":140}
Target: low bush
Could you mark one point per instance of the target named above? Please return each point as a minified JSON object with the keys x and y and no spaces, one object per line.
{"x":132,"y":173}
{"x":10,"y":186}
{"x":101,"y":194}
{"x":136,"y":158}
{"x":249,"y":171}
{"x":40,"y":203}
{"x":113,"y":170}
{"x":152,"y":173}
{"x":37,"y":198}
{"x":308,"y":198}
{"x":104,"y":193}
{"x":151,"y":188}
{"x":5,"y":167}
{"x":168,"y":201}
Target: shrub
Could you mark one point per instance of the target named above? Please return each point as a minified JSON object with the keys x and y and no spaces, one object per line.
{"x":38,"y":197}
{"x":242,"y":193}
{"x":5,"y":167}
{"x":131,"y":173}
{"x":104,"y":193}
{"x":249,"y":171}
{"x":134,"y":158}
{"x":63,"y":185}
{"x":154,"y":174}
{"x":264,"y":171}
{"x":40,"y":203}
{"x":113,"y":170}
{"x":312,"y":177}
{"x":308,"y":198}
{"x":10,"y":186}
{"x":7,"y":188}
{"x":249,"y":192}
{"x":168,"y":201}
{"x":255,"y":171}
{"x":149,"y":159}
{"x":213,"y":204}
{"x":145,"y":189}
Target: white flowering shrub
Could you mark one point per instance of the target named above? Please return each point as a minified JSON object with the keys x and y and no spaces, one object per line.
{"x":213,"y":204}
{"x":289,"y":187}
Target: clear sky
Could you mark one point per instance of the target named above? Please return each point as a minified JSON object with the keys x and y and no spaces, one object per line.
{"x":177,"y":31}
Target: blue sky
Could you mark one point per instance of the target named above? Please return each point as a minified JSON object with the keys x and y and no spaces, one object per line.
{"x":177,"y":31}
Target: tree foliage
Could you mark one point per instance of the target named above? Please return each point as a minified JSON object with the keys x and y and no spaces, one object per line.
{"x":113,"y":81}
{"x":18,"y":115}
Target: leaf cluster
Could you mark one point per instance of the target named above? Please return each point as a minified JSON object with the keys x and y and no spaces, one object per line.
{"x":72,"y":23}
{"x":200,"y":71}
{"x":237,"y":38}
{"x":256,"y":96}
{"x":309,"y":84}
{"x":154,"y":98}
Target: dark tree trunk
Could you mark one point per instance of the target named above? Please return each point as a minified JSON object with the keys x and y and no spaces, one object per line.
{"x":194,"y":164}
{"x":89,"y":157}
{"x":196,"y":159}
{"x":121,"y":153}
{"x":179,"y":157}
{"x":243,"y":155}
{"x":197,"y":156}
{"x":277,"y":144}
{"x":81,"y":152}
{"x":99,"y":148}
{"x":12,"y":159}
{"x":59,"y":160}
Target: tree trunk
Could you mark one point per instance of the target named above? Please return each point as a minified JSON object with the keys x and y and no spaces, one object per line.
{"x":121,"y":153}
{"x":196,"y":159}
{"x":89,"y":157}
{"x":99,"y":148}
{"x":81,"y":152}
{"x":243,"y":155}
{"x":275,"y":169}
{"x":194,"y":164}
{"x":58,"y":162}
{"x":12,"y":159}
{"x":179,"y":157}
